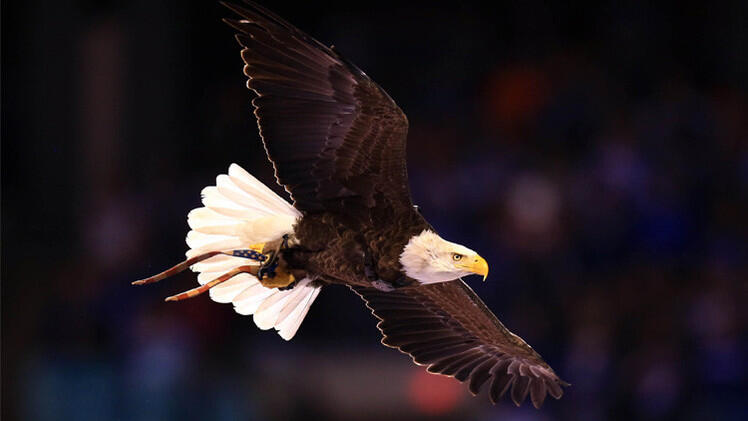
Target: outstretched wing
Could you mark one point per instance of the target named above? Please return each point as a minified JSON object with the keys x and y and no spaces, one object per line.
{"x":335,"y":138}
{"x":446,"y":327}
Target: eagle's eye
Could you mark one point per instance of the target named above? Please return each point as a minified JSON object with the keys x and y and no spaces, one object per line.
{"x":456,"y":256}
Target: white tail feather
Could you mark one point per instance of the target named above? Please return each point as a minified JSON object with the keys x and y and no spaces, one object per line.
{"x":210,"y":222}
{"x":288,"y":327}
{"x":265,"y":228}
{"x":219,"y":263}
{"x":226,"y":291}
{"x":283,"y":310}
{"x":256,"y":189}
{"x":267,"y":314}
{"x":250,"y":299}
{"x":230,"y":191}
{"x":202,"y":242}
{"x":239,"y":211}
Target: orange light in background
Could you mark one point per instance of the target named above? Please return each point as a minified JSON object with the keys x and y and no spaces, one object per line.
{"x":433,"y":394}
{"x":514,"y":96}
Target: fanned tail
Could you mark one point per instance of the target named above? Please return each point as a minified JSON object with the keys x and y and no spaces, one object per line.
{"x":240,"y":212}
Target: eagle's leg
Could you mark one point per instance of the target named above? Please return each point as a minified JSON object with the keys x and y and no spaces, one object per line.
{"x":273,"y":272}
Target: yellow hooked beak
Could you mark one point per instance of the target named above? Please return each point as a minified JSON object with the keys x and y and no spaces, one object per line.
{"x":477,"y":265}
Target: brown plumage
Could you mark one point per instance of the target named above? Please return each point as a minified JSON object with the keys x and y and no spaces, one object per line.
{"x":335,"y":138}
{"x":337,"y":144}
{"x":447,"y":328}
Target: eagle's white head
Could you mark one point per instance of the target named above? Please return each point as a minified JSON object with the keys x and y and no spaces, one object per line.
{"x":429,"y":258}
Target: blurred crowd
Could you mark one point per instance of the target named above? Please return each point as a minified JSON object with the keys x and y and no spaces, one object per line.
{"x":596,"y":155}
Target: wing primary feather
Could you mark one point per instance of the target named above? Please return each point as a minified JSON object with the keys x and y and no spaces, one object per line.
{"x":464,"y":372}
{"x":520,"y":389}
{"x":537,"y":392}
{"x":456,"y":365}
{"x":479,"y":375}
{"x":446,"y":327}
{"x":238,"y":25}
{"x":499,"y":387}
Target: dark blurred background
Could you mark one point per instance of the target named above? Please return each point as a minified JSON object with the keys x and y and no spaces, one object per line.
{"x":595,"y":154}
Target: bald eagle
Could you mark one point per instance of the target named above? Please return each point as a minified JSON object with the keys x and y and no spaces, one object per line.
{"x":337,"y":143}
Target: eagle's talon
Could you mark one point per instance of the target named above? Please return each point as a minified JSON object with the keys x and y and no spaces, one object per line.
{"x":271,"y":263}
{"x":266,"y":271}
{"x":281,"y":280}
